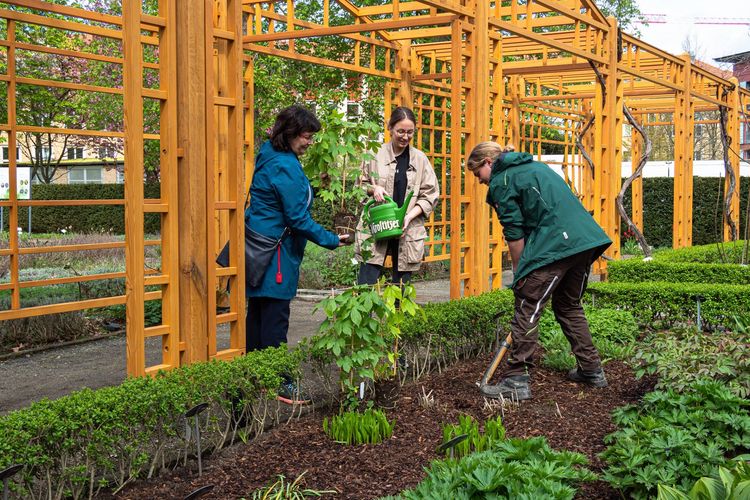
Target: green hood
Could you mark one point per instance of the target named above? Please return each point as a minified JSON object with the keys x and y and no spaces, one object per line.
{"x":507,"y":160}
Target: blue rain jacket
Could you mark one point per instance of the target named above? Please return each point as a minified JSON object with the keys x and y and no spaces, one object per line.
{"x":281,"y":196}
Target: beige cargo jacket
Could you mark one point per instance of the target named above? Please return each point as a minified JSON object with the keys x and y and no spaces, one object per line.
{"x":421,"y":179}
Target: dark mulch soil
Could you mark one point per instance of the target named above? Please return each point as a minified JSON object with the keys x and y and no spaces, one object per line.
{"x":571,"y":416}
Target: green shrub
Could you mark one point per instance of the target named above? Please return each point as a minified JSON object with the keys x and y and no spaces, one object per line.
{"x":360,"y":333}
{"x":663,"y":305}
{"x":118,"y":433}
{"x":673,"y":438}
{"x":321,"y":268}
{"x":36,"y":331}
{"x":476,"y":441}
{"x":83,"y":219}
{"x":352,"y":427}
{"x":714,"y":253}
{"x":516,"y":468}
{"x":637,"y":271}
{"x":453,"y":330}
{"x":682,"y":356}
{"x":658,"y":209}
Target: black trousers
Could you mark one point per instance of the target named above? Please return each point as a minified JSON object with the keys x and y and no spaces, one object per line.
{"x":369,"y":273}
{"x":266,"y":323}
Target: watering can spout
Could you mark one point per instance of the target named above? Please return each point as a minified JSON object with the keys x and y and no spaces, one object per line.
{"x":401,"y":212}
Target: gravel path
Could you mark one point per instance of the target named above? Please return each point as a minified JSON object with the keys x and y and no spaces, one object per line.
{"x":57,"y":372}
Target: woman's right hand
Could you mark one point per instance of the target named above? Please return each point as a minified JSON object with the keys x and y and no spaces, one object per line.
{"x":378,"y":193}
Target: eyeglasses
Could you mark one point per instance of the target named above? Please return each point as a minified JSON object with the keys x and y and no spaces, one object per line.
{"x":308,"y":136}
{"x":402,"y":133}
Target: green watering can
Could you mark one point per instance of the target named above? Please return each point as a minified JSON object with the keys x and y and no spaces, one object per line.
{"x":387,"y":219}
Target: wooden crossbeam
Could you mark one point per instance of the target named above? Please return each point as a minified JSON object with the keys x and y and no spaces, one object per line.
{"x":409,"y":22}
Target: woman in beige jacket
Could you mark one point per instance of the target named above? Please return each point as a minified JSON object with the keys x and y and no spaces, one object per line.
{"x":397,"y":169}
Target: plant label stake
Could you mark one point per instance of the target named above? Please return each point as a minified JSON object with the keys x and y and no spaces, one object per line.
{"x":194,"y":412}
{"x":6,"y":474}
{"x":698,"y":320}
{"x":452,"y":443}
{"x":362,"y":390}
{"x":199,"y":492}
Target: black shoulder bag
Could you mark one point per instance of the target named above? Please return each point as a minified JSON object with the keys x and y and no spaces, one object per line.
{"x":258,"y":252}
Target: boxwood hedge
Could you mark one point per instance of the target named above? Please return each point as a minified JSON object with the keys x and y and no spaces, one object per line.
{"x":638,"y":271}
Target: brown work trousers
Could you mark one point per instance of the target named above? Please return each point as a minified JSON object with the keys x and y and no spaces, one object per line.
{"x":563,"y":281}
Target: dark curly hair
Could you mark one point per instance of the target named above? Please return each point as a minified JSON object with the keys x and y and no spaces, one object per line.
{"x":292,"y":122}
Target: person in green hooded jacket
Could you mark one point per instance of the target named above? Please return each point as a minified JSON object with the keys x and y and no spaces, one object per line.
{"x":552,"y":241}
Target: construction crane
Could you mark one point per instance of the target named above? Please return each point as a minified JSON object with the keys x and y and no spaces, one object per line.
{"x":663,"y":19}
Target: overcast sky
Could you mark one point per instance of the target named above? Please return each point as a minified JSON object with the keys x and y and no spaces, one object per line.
{"x":711,"y":40}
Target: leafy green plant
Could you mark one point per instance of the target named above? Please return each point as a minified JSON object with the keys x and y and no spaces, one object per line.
{"x":683,"y":355}
{"x":723,"y":484}
{"x":282,"y":489}
{"x":339,"y":150}
{"x":631,"y":247}
{"x":493,"y":432}
{"x":352,"y":427}
{"x":673,"y":438}
{"x":513,"y":468}
{"x":361,"y":330}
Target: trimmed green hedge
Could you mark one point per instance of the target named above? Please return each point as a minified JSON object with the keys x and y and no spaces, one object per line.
{"x":667,"y":304}
{"x":658,"y":209}
{"x":112,"y":435}
{"x":638,"y":271}
{"x":82,"y":219}
{"x":453,"y":330}
{"x":713,"y":253}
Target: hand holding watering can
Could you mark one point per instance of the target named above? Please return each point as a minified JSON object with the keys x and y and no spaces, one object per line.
{"x":386,"y":220}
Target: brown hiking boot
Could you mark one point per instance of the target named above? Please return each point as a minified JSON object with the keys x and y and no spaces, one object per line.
{"x":595,"y":378}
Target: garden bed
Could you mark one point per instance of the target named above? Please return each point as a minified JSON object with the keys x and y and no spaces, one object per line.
{"x":571,"y":416}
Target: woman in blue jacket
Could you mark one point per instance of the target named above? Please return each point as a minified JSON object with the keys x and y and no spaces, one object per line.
{"x":280,"y":199}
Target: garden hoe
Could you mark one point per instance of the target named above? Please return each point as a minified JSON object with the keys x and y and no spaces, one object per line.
{"x":499,"y":355}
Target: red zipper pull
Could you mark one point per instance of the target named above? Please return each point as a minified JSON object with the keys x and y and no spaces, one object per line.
{"x":278,"y":265}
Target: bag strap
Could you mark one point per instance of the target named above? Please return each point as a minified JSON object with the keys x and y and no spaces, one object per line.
{"x":247,"y":197}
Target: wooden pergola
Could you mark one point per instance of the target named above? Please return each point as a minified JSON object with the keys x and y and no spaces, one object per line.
{"x":471,"y":70}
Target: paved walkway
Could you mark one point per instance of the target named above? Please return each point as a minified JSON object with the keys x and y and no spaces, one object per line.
{"x":57,"y":372}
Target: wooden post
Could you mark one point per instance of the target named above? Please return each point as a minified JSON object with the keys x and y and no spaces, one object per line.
{"x":457,"y":270}
{"x":608,"y":149}
{"x":478,"y":121}
{"x":682,"y":231}
{"x":170,"y":231}
{"x":192,"y":119}
{"x":134,"y":233}
{"x":405,"y":96}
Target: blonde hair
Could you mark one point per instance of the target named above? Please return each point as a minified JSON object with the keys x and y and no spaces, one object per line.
{"x":484,"y":150}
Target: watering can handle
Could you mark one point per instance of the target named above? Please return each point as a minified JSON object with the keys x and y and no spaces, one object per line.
{"x":366,"y":209}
